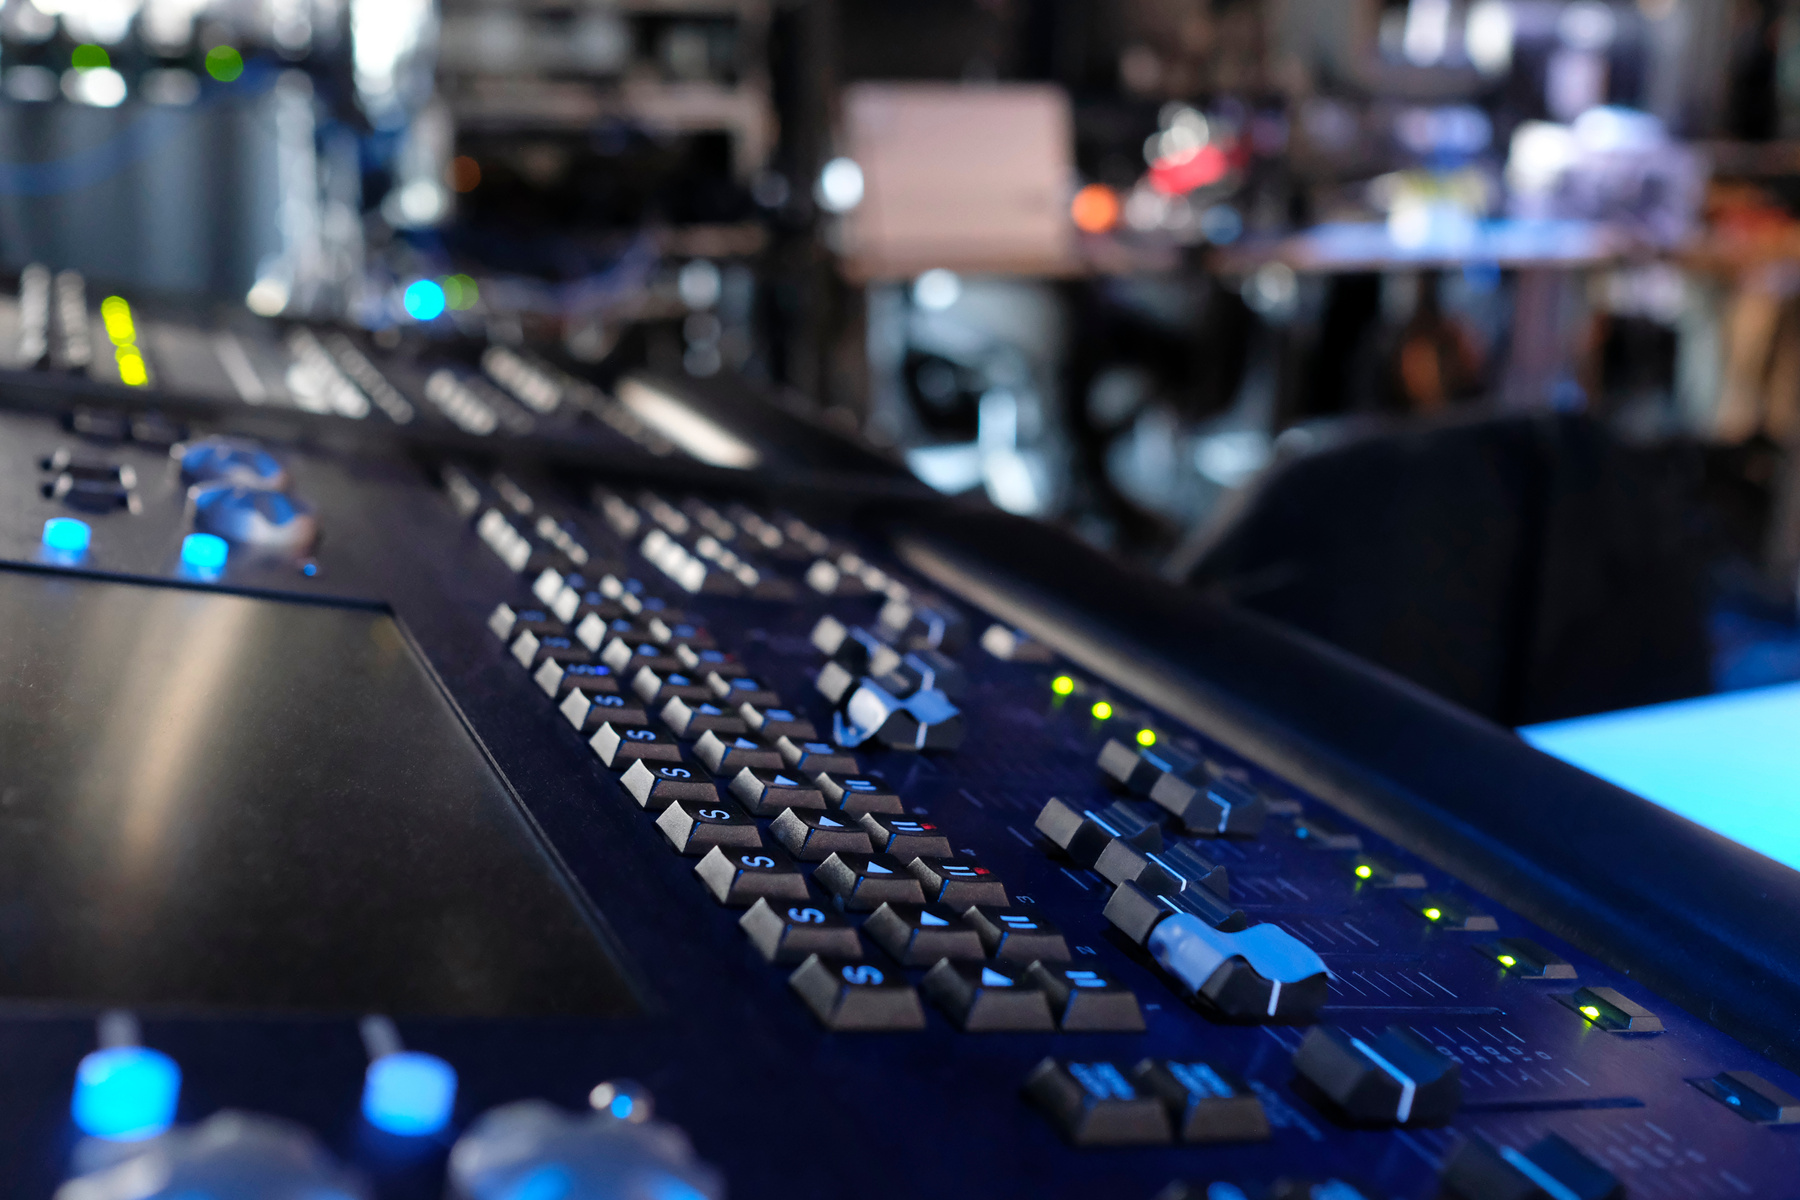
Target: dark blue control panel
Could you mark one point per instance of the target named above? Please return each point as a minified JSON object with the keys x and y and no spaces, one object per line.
{"x":907,"y":905}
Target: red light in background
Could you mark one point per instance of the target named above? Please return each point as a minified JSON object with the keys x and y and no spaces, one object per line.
{"x":1177,"y":177}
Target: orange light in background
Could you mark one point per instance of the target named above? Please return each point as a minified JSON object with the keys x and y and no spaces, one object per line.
{"x":465,"y":173}
{"x":1095,"y":208}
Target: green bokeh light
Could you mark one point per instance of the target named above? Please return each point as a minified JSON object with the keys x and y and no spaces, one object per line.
{"x":224,"y":63}
{"x":462,"y":292}
{"x":88,"y":57}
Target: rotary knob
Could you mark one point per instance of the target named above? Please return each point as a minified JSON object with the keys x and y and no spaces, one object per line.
{"x":598,"y":1155}
{"x":231,"y":460}
{"x":228,"y":1156}
{"x":255,"y":517}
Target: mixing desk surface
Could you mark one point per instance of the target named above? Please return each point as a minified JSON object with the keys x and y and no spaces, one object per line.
{"x":646,"y":795}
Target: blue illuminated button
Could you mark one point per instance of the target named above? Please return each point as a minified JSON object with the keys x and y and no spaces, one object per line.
{"x":204,"y":552}
{"x":125,"y":1093}
{"x":409,"y":1093}
{"x":424,"y":300}
{"x":66,"y":535}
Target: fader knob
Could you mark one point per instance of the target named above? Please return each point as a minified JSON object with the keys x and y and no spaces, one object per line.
{"x":926,"y":720}
{"x":1396,"y":1078}
{"x":1260,"y":974}
{"x":1550,"y":1169}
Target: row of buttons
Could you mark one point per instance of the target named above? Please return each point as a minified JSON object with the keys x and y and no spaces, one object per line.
{"x":1173,"y":901}
{"x":1169,"y":898}
{"x":1203,"y":800}
{"x":742,"y":783}
{"x":1153,"y":1102}
{"x":1174,"y":907}
{"x":704,"y":551}
{"x":1477,"y":1169}
{"x":795,"y":828}
{"x":1158,"y":1101}
{"x":1119,"y":843}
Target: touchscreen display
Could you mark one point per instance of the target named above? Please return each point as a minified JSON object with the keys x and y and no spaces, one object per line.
{"x":211,"y":801}
{"x":1728,"y":762}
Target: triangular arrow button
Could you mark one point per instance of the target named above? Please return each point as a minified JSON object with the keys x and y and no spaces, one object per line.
{"x":993,"y":978}
{"x":876,"y":868}
{"x":784,"y":781}
{"x":828,"y":823}
{"x":926,"y":918}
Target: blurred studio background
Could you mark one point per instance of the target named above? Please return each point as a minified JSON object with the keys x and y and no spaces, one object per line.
{"x":1463,"y":334}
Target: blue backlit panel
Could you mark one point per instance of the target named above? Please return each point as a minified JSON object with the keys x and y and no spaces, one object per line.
{"x":1730,"y":763}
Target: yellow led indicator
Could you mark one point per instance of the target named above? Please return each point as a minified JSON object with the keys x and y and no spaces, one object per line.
{"x":115,"y":314}
{"x":131,"y":367}
{"x":1062,"y":685}
{"x":1146,"y":737}
{"x":1507,"y":960}
{"x":1433,"y":914}
{"x":1365,"y":872}
{"x":1590,"y":1012}
{"x":1102,"y":711}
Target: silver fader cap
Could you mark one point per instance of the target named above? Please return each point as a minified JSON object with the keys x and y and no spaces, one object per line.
{"x":1263,"y":974}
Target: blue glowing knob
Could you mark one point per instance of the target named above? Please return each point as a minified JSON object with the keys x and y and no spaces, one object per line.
{"x":255,"y":517}
{"x":231,"y":460}
{"x":204,"y":553}
{"x":409,"y":1093}
{"x":125,"y":1093}
{"x":67,"y":537}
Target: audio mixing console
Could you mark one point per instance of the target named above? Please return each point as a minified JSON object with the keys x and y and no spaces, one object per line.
{"x":641,"y":793}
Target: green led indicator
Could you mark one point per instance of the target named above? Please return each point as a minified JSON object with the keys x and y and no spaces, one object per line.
{"x":88,"y":57}
{"x":224,"y":63}
{"x":1062,"y":685}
